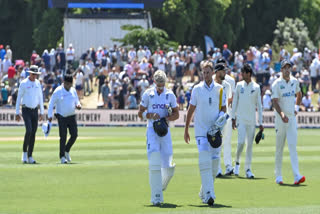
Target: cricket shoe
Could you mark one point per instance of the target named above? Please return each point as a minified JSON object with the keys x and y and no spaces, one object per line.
{"x":300,"y":180}
{"x":68,"y":157}
{"x":210,"y":202}
{"x":219,"y":174}
{"x":229,"y":170}
{"x":31,"y":160}
{"x":24,"y":158}
{"x":236,"y":169}
{"x":63,"y":160}
{"x":249,"y":174}
{"x":279,"y":180}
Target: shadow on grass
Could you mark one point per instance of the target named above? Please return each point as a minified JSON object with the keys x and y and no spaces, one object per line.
{"x":226,"y":177}
{"x":214,"y":206}
{"x":165,"y":205}
{"x":255,"y":178}
{"x":293,"y":185}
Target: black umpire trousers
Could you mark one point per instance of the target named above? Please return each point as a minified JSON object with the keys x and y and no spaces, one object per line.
{"x":30,"y":117}
{"x":65,"y":123}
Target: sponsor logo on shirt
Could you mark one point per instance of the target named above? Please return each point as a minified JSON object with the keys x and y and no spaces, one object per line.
{"x":282,"y":87}
{"x":252,"y":91}
{"x":158,"y":106}
{"x":242,"y":90}
{"x":288,"y":94}
{"x":292,"y":84}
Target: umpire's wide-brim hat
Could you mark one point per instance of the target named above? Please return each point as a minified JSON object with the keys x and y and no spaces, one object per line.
{"x":34,"y":70}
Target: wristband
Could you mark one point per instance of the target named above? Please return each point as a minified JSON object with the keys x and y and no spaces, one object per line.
{"x":144,"y":115}
{"x":296,"y":108}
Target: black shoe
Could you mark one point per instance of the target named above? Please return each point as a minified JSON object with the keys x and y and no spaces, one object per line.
{"x":219,"y":175}
{"x":229,"y":172}
{"x":158,"y":204}
{"x":210,"y":202}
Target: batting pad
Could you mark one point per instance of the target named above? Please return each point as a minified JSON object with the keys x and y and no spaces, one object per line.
{"x":167,"y":174}
{"x":205,"y":166}
{"x":155,"y":177}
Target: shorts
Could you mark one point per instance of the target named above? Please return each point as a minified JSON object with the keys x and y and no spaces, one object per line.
{"x":78,"y":87}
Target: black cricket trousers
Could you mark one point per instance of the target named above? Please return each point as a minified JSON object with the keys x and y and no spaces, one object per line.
{"x":65,"y":123}
{"x":30,"y":117}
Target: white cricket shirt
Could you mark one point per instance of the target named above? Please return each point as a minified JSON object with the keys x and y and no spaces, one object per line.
{"x":30,"y":95}
{"x":156,"y":103}
{"x":286,"y":94}
{"x":246,"y":100}
{"x":64,"y":101}
{"x":206,"y":100}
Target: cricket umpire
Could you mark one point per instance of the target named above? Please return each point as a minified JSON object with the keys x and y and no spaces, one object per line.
{"x":66,"y":101}
{"x":30,"y":97}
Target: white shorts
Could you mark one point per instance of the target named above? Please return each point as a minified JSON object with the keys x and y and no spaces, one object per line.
{"x":204,"y":145}
{"x":160,"y":144}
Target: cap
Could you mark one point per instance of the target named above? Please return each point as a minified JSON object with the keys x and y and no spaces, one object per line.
{"x":219,"y":67}
{"x":285,"y":62}
{"x":34,"y":69}
{"x":295,"y":50}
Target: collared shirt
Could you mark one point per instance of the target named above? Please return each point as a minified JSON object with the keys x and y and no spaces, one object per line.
{"x":64,"y":101}
{"x":246,"y":99}
{"x":30,"y":95}
{"x":286,"y":94}
{"x":206,"y":99}
{"x":156,"y":103}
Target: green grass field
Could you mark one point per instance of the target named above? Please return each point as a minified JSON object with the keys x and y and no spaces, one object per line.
{"x":109,"y":175}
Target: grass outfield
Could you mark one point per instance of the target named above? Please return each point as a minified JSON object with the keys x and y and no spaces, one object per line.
{"x":109,"y":175}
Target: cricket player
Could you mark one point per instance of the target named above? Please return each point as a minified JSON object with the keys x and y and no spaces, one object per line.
{"x":208,"y":102}
{"x":228,"y":84}
{"x":284,"y":92}
{"x":247,"y":98}
{"x":155,"y":104}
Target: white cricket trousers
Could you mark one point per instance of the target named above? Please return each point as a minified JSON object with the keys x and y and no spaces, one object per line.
{"x":286,"y":131}
{"x":245,"y":131}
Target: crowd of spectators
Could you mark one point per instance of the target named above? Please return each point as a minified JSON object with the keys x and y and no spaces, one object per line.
{"x":122,"y":74}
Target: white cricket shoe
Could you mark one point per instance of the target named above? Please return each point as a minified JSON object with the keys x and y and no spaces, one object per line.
{"x":31,"y":160}
{"x":249,"y":174}
{"x":236,"y":169}
{"x":24,"y":158}
{"x":63,"y":160}
{"x":68,"y":157}
{"x":279,"y":180}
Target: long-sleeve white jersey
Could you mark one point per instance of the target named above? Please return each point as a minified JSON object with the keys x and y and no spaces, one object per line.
{"x":246,"y":100}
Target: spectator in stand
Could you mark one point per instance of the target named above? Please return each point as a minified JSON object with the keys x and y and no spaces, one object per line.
{"x":319,"y":103}
{"x":226,"y":53}
{"x":304,"y":82}
{"x":46,"y":59}
{"x":4,"y":93}
{"x":141,"y":53}
{"x":11,"y":74}
{"x":132,"y":101}
{"x":70,"y":52}
{"x":52,"y":59}
{"x":266,"y":101}
{"x":84,"y":57}
{"x":34,"y":55}
{"x":79,"y":82}
{"x":105,"y":93}
{"x":101,"y":78}
{"x":131,"y":55}
{"x":6,"y":63}
{"x":9,"y":52}
{"x":2,"y":52}
{"x":306,"y":104}
{"x":143,"y":84}
{"x":314,"y":71}
{"x":86,"y":70}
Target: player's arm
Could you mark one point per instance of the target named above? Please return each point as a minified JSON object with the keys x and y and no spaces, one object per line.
{"x":259,"y":107}
{"x":275,"y":102}
{"x":175,"y":114}
{"x":298,"y":102}
{"x":188,"y":120}
{"x":234,"y":107}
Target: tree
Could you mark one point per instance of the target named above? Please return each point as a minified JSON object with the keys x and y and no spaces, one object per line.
{"x":152,"y":38}
{"x":292,"y":31}
{"x":310,"y":14}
